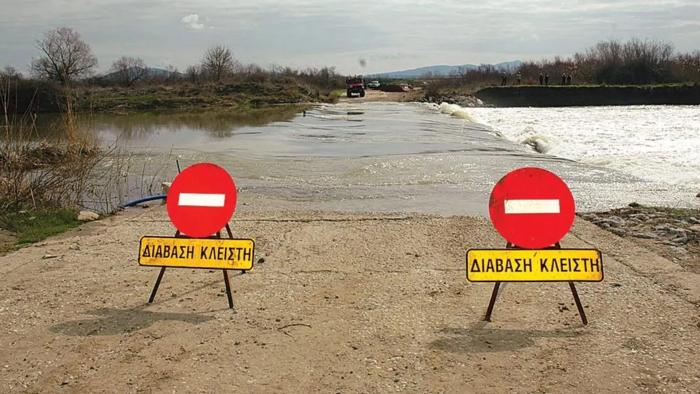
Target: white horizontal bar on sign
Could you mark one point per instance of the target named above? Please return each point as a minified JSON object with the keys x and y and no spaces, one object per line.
{"x":201,"y":200}
{"x":531,"y":206}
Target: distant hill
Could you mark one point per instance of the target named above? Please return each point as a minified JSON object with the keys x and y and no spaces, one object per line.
{"x":441,"y":70}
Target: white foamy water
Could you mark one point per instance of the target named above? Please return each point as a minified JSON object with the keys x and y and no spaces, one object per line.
{"x":455,"y":110}
{"x":655,"y":143}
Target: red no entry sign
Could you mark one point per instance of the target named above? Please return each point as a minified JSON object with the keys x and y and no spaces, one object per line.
{"x":532,"y":208}
{"x":201,"y":200}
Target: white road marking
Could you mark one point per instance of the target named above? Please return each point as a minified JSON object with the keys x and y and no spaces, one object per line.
{"x":531,"y":206}
{"x":201,"y":200}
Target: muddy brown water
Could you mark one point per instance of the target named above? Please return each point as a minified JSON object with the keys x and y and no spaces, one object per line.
{"x":353,"y":156}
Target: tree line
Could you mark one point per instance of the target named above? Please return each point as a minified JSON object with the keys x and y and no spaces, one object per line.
{"x":65,"y":58}
{"x":632,"y":62}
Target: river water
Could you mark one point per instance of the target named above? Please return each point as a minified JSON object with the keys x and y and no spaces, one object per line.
{"x":412,"y":157}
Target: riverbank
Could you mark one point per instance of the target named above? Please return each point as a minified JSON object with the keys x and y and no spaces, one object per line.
{"x":356,"y":302}
{"x":589,"y":95}
{"x":671,"y":232}
{"x":242,"y":96}
{"x":18,"y":229}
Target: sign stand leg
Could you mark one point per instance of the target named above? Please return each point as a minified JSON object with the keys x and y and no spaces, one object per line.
{"x":494,"y":295}
{"x":160,"y":276}
{"x":228,"y":289}
{"x":230,"y":235}
{"x":227,"y":281}
{"x":581,"y":312}
{"x":156,"y":285}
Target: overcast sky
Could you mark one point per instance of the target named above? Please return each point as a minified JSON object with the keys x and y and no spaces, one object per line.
{"x":389,"y":35}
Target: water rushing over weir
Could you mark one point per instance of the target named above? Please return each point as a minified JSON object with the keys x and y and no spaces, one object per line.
{"x":656,"y":143}
{"x":376,"y":156}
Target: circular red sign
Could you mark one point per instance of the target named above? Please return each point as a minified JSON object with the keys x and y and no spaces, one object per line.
{"x":532,"y":208}
{"x":201,"y":200}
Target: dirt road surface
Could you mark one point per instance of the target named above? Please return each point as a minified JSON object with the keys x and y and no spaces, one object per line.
{"x":343,"y":303}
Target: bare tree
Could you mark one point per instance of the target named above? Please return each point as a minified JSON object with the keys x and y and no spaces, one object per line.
{"x":129,"y":70}
{"x":218,"y":62}
{"x":687,"y":66}
{"x":193,"y":73}
{"x":11,"y":73}
{"x":66,"y":56}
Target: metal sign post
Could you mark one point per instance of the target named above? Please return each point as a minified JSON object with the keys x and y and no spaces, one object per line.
{"x":227,"y":281}
{"x":533,"y":209}
{"x":200,"y":202}
{"x":496,"y":285}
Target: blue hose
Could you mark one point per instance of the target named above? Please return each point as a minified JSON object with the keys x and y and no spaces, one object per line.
{"x":145,"y":199}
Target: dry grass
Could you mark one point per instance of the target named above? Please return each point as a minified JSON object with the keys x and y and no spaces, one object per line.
{"x":120,"y":175}
{"x":41,"y":174}
{"x":36,"y":173}
{"x":68,"y":172}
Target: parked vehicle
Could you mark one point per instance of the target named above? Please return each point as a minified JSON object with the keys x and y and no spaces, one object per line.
{"x":374,"y":85}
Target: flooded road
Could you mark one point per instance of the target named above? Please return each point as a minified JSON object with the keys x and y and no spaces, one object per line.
{"x":372,"y":156}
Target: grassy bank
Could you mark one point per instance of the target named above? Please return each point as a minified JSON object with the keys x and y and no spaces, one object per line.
{"x":26,"y":227}
{"x":589,"y":95}
{"x":243,"y":96}
{"x":41,"y":182}
{"x":43,"y":97}
{"x":44,"y":182}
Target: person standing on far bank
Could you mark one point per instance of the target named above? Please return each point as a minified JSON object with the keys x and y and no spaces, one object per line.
{"x":541,"y":79}
{"x":546,"y":79}
{"x":568,"y":79}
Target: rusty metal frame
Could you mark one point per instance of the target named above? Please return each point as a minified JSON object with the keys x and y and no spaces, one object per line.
{"x":227,"y":281}
{"x":497,"y":285}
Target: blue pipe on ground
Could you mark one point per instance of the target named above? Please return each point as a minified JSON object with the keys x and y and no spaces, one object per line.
{"x":145,"y":199}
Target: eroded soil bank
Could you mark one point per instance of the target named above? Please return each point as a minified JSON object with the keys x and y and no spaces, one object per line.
{"x":671,"y":232}
{"x":588,"y":95}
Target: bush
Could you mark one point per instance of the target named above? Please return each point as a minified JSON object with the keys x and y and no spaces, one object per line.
{"x":634,"y":62}
{"x":36,"y":174}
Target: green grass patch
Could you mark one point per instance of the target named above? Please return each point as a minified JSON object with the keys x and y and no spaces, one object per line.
{"x":336,"y":94}
{"x":34,"y":226}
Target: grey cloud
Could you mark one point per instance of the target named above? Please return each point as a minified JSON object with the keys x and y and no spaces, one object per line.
{"x":389,"y":34}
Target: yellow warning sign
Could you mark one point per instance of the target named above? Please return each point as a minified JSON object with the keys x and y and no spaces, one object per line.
{"x":230,"y":254}
{"x":523,"y":265}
